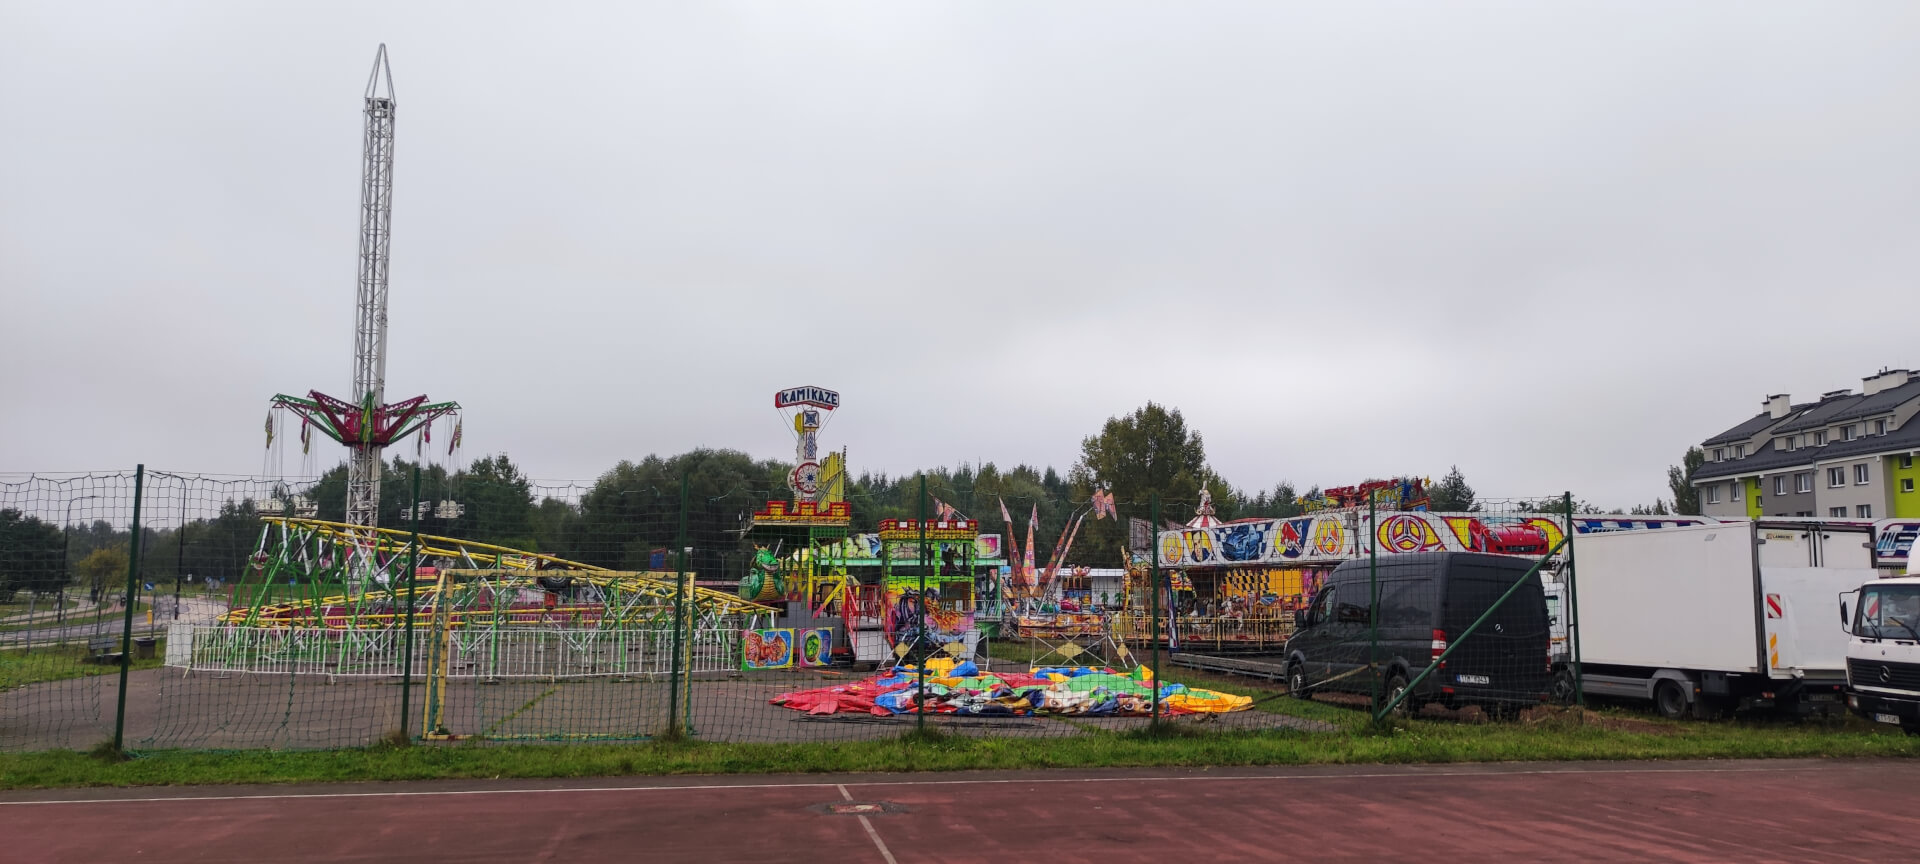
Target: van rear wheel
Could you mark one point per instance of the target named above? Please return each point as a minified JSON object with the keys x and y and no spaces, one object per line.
{"x":1396,"y":685}
{"x":1563,"y":690}
{"x":1670,"y":699}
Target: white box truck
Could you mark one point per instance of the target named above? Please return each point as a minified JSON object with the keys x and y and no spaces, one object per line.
{"x":1700,"y":619}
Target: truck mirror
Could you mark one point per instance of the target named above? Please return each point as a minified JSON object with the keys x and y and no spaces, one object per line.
{"x":1843,"y":613}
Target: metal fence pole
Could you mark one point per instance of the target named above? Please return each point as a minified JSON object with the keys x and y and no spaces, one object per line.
{"x":1573,"y":609}
{"x":674,"y":725}
{"x":180,"y":550}
{"x":1373,"y":603}
{"x":406,"y":636}
{"x":920,"y":693}
{"x":126,"y":624}
{"x":1153,"y":598}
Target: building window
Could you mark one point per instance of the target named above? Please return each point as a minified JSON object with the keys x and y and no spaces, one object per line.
{"x":1734,"y":488}
{"x":1804,"y":513}
{"x":1848,"y":432}
{"x":1860,"y":474}
{"x":1906,"y":461}
{"x":1879,"y":427}
{"x":1864,"y":511}
{"x":1803,"y":482}
{"x":1780,"y":485}
{"x":1837,"y":512}
{"x":1836,"y":477}
{"x":1719,"y":454}
{"x":1739,"y":451}
{"x":1906,"y":485}
{"x":1713,"y":493}
{"x":1820,"y":438}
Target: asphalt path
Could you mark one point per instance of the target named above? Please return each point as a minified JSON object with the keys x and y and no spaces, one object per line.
{"x":1681,"y":811}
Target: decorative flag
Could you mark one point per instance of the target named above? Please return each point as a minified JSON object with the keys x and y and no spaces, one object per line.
{"x":269,"y":430}
{"x":1103,"y":505}
{"x":942,"y":511}
{"x":306,"y":436}
{"x":1027,"y":568}
{"x":456,"y":437}
{"x":1013,"y":537}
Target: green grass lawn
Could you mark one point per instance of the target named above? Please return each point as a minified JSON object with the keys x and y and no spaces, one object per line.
{"x":1415,"y":741}
{"x":76,"y":618}
{"x":20,"y":606}
{"x":20,"y":667}
{"x":1550,"y":735}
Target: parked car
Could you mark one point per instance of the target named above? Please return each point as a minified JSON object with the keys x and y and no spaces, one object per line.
{"x":1425,"y":599}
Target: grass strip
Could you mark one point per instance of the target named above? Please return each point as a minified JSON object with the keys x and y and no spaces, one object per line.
{"x":1407,"y":742}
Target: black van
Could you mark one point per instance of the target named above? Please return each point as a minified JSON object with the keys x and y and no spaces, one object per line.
{"x":1425,"y":599}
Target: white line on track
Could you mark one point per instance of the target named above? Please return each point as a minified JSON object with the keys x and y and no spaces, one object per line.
{"x":982,"y":781}
{"x":865,"y":823}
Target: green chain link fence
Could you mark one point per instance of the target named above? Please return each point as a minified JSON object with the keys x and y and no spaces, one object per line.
{"x":156,"y":610}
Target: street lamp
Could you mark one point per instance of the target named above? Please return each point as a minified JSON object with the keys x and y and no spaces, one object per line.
{"x":66,"y":557}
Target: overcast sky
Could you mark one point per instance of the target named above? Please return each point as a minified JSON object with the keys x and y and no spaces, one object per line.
{"x":1553,"y":243}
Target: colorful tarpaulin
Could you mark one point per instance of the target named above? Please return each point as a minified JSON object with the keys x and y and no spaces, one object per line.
{"x":965,"y":689}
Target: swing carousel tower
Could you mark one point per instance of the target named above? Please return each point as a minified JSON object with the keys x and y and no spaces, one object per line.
{"x":368,"y":424}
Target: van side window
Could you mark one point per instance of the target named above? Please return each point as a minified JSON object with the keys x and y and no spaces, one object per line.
{"x":1406,"y":603}
{"x":1351,"y":611}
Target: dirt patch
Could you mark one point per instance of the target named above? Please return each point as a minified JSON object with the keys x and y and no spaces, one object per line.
{"x":1557,"y":717}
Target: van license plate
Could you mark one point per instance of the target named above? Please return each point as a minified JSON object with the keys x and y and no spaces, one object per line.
{"x":1473,"y":679}
{"x":1886,"y":718}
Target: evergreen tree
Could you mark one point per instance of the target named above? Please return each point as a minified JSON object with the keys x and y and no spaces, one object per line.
{"x":1452,"y":494}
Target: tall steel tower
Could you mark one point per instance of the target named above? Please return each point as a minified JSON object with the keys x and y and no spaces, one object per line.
{"x":368,"y":425}
{"x":370,"y":304}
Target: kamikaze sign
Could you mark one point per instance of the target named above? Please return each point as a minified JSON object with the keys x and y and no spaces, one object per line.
{"x":819,"y":397}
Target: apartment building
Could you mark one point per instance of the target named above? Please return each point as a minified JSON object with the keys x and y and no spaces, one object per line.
{"x":1848,"y":455}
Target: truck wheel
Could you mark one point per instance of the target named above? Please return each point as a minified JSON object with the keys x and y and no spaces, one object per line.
{"x":1297,"y":682}
{"x":1670,"y":699}
{"x":1562,"y":690}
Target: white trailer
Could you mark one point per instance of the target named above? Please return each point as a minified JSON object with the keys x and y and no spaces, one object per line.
{"x":1704,"y":618}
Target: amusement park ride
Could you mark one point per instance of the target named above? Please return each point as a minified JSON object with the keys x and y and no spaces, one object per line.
{"x":368,"y":425}
{"x":353,"y":581}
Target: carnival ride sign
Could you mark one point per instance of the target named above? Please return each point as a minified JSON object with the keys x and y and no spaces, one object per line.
{"x":819,"y":397}
{"x":1333,"y":536}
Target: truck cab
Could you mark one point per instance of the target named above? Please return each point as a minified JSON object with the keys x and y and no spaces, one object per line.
{"x":1882,"y":618}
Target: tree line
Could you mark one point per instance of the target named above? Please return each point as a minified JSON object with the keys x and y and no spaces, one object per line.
{"x":631,"y":514}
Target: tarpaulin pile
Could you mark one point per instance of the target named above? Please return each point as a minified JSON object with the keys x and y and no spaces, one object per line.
{"x":964,"y":689}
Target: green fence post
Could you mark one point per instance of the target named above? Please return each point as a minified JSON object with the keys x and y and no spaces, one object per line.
{"x":675,"y":726}
{"x":1373,"y":604}
{"x":406,"y":636}
{"x":920,"y":695}
{"x":1573,"y":608}
{"x":1153,"y":598}
{"x":126,"y":625}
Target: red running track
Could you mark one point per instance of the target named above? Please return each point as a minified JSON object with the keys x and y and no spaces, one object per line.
{"x":1712,"y":811}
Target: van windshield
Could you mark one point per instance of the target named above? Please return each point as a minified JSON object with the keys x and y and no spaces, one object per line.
{"x":1889,"y":612}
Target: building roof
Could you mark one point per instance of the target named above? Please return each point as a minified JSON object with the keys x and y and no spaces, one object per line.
{"x":1823,"y":412}
{"x":1842,"y":408}
{"x":1743,"y":431}
{"x":1883,"y":401}
{"x":1769,"y":460}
